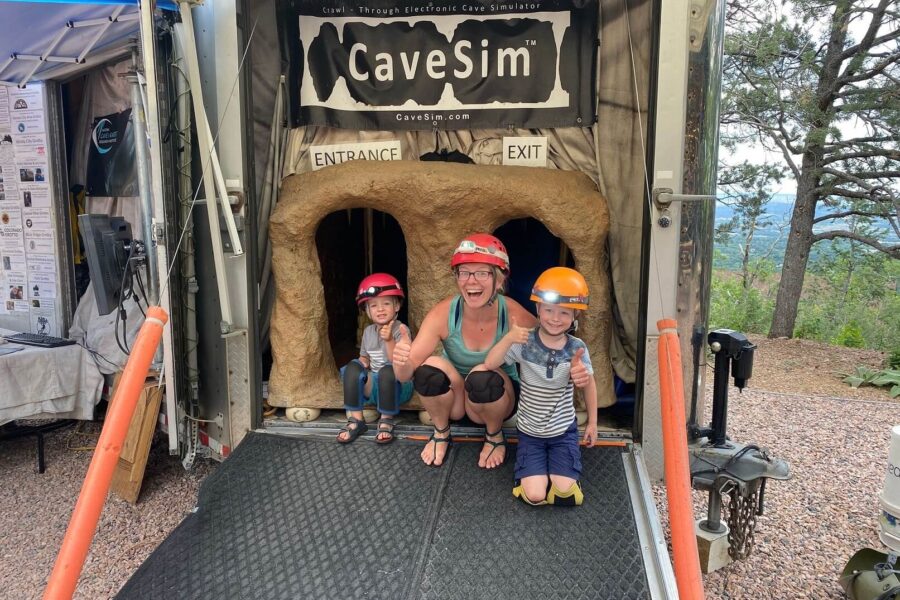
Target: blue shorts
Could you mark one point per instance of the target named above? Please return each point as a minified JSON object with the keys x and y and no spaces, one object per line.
{"x":402,"y":392}
{"x":558,"y":455}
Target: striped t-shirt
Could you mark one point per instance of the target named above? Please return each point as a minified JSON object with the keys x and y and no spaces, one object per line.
{"x":373,"y":347}
{"x":547,"y":402}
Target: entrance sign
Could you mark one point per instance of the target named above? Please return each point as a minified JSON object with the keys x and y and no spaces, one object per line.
{"x":334,"y":154}
{"x":525,"y":151}
{"x":444,"y":64}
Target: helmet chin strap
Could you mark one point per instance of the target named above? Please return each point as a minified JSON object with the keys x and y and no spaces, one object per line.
{"x":493,"y":293}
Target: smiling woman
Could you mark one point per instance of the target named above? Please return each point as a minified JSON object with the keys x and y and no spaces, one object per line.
{"x":468,"y":325}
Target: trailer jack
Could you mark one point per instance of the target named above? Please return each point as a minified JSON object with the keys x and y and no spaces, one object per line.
{"x":726,"y":468}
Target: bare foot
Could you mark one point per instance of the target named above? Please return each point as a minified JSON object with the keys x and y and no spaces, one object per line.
{"x":436,"y":449}
{"x":492,"y":456}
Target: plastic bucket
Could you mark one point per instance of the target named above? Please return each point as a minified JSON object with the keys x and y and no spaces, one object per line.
{"x":891,"y":491}
{"x":889,"y":521}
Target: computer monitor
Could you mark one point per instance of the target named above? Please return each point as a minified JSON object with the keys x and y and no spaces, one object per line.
{"x":105,"y":238}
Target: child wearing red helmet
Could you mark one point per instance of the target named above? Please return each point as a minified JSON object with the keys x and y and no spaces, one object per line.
{"x":370,"y":378}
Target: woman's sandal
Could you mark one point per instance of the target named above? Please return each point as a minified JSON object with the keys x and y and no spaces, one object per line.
{"x":353,"y":432}
{"x":385,"y":432}
{"x":445,"y":440}
{"x":495,"y":445}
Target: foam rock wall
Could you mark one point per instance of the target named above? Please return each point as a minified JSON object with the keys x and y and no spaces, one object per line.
{"x":436,"y":205}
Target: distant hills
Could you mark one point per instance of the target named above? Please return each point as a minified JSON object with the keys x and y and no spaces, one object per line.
{"x":728,"y":256}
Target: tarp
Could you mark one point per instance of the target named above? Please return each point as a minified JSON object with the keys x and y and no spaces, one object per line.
{"x":44,"y":29}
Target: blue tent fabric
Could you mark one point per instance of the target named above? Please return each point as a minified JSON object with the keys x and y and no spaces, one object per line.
{"x":29,"y":28}
{"x":164,"y":4}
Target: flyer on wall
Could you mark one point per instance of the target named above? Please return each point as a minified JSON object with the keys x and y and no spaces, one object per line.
{"x":38,"y":241}
{"x":37,"y":218}
{"x":47,"y":303}
{"x":42,"y":285}
{"x":43,"y":321}
{"x":41,"y":263}
{"x":12,"y":259}
{"x":4,"y":109}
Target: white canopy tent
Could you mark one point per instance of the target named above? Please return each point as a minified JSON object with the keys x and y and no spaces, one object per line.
{"x":53,"y":40}
{"x":59,"y":40}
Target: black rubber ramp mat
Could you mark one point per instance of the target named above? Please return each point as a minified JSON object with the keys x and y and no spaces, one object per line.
{"x":488,"y":544}
{"x":308,"y":518}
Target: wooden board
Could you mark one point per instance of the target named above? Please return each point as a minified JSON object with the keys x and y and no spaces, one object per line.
{"x":129,"y":473}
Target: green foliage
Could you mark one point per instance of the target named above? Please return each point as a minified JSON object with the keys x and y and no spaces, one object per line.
{"x":884,"y":378}
{"x":734,"y":307}
{"x":810,"y":79}
{"x":893,"y":360}
{"x":850,"y":298}
{"x":850,"y":336}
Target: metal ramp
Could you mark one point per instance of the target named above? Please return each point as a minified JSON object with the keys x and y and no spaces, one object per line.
{"x":305,"y":517}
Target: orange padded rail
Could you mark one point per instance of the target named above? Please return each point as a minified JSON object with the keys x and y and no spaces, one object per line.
{"x":86,"y":515}
{"x":678,"y":475}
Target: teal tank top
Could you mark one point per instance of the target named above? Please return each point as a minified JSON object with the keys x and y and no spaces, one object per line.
{"x":463,"y":359}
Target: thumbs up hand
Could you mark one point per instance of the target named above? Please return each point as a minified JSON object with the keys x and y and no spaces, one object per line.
{"x":578,"y":371}
{"x":385,"y":330}
{"x":401,"y":348}
{"x":516,"y":334}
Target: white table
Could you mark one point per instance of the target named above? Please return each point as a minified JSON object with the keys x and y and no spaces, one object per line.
{"x":60,"y":383}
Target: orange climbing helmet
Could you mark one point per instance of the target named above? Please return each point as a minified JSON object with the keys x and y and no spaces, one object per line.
{"x":378,"y":284}
{"x":482,"y":248}
{"x":563,"y":286}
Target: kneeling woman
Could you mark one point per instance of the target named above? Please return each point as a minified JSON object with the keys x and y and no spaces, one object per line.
{"x":468,"y":324}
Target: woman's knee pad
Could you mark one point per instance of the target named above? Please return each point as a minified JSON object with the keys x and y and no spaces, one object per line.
{"x":484,"y":386}
{"x":355,"y":376}
{"x":430,"y":381}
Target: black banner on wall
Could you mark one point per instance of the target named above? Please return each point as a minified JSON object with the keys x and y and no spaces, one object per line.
{"x":111,"y":167}
{"x":442,"y":65}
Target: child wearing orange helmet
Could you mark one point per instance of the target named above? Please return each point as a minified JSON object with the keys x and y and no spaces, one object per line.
{"x":370,"y":378}
{"x":552,"y":362}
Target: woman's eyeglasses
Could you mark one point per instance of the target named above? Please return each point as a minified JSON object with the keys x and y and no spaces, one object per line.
{"x":479,"y":275}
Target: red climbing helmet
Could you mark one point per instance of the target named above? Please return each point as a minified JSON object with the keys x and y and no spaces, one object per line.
{"x":482,"y":248}
{"x":378,"y":284}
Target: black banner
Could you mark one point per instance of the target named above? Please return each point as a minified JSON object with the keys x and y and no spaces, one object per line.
{"x":111,"y":166}
{"x":442,"y":65}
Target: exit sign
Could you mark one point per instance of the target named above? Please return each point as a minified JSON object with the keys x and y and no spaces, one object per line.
{"x":525,"y":151}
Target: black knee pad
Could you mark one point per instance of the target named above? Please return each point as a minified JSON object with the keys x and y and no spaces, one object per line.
{"x":355,"y":377}
{"x":387,"y":390}
{"x":430,"y":381}
{"x":484,"y":386}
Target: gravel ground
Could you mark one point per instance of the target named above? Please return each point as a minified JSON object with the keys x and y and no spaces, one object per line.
{"x":36,"y":510}
{"x":813,"y":523}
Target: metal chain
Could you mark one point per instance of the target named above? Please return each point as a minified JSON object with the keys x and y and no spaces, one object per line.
{"x":741,"y":523}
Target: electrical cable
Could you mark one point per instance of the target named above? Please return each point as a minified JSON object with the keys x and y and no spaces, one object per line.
{"x":120,"y":310}
{"x":96,"y":355}
{"x":137,"y":299}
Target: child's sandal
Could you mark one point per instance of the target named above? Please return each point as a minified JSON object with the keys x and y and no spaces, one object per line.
{"x":352,"y":432}
{"x":385,"y":431}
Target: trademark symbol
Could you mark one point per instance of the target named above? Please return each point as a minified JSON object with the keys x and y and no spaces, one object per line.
{"x":531,"y":42}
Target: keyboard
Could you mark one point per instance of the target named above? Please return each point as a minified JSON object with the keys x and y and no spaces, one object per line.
{"x":36,"y":339}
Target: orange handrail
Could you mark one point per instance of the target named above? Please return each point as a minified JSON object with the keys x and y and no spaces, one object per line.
{"x":678,"y":475}
{"x":86,"y":515}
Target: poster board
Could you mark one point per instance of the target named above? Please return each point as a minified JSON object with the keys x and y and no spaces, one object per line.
{"x":30,"y":267}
